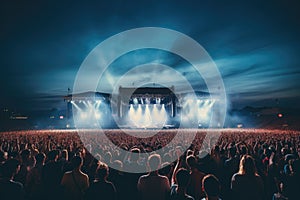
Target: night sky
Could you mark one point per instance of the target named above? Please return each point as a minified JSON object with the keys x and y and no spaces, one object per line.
{"x":255,"y":45}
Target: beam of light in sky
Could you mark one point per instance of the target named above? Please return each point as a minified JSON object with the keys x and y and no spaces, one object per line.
{"x":76,"y":106}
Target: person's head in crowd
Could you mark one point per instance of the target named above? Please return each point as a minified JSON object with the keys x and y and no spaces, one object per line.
{"x":64,"y":154}
{"x":80,"y":152}
{"x":107,"y":157}
{"x":247,"y":166}
{"x":222,"y":152}
{"x":289,"y":157}
{"x":40,"y":158}
{"x":167,"y":157}
{"x":178,"y":153}
{"x":211,"y":186}
{"x":267,"y":152}
{"x":154,"y":162}
{"x":294,"y":166}
{"x":280,"y":186}
{"x":77,"y":162}
{"x":83,"y":152}
{"x":244,"y":150}
{"x":191,"y":162}
{"x":10,"y":168}
{"x":216,"y":150}
{"x":203,"y":155}
{"x":117,"y":164}
{"x":265,"y":145}
{"x":135,"y":154}
{"x":2,"y":156}
{"x":116,"y":153}
{"x":293,"y":150}
{"x":232,"y":152}
{"x":25,"y":155}
{"x":53,"y":155}
{"x":266,"y":157}
{"x":98,"y":157}
{"x":189,"y":152}
{"x":284,"y":151}
{"x":102,"y":171}
{"x":272,"y":148}
{"x":182,"y":177}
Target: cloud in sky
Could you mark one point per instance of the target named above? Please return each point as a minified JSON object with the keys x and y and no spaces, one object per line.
{"x":255,"y":45}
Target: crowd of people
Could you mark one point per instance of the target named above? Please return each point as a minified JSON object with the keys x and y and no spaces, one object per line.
{"x":237,"y":164}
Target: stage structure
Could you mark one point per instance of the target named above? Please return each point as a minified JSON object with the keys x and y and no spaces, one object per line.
{"x":88,"y":109}
{"x":144,"y":96}
{"x":144,"y":107}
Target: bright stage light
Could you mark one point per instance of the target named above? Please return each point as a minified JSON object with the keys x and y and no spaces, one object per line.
{"x":163,"y":114}
{"x":83,"y":115}
{"x":197,"y":110}
{"x":97,"y":115}
{"x":76,"y":106}
{"x":135,"y":101}
{"x":147,"y":100}
{"x":147,"y":115}
{"x":97,"y":105}
{"x":85,"y":103}
{"x":158,"y":100}
{"x":89,"y":113}
{"x":155,"y":113}
{"x":139,"y":114}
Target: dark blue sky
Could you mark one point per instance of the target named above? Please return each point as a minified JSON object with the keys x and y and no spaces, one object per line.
{"x":255,"y":45}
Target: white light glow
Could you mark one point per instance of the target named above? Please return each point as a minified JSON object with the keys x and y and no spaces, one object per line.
{"x":147,"y":116}
{"x":197,"y":111}
{"x":88,"y":113}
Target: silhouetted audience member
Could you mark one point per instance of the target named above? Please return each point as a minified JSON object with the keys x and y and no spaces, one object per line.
{"x":64,"y":161}
{"x":75,"y":182}
{"x":211,"y":187}
{"x":153,"y":185}
{"x":178,"y":191}
{"x":51,"y":176}
{"x":133,"y":164}
{"x":24,"y":166}
{"x":231,"y":166}
{"x":292,"y":183}
{"x":10,"y":189}
{"x":195,"y":185}
{"x":34,"y":178}
{"x":101,"y":188}
{"x":279,"y":195}
{"x":247,"y":184}
{"x":3,"y":156}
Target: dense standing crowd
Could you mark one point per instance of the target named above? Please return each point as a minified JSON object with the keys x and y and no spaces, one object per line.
{"x":241,"y":164}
